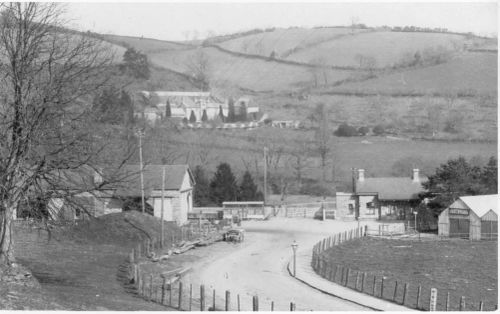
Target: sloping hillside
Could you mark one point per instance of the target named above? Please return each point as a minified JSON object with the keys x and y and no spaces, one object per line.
{"x":284,"y":42}
{"x":250,"y":73}
{"x":468,"y":74}
{"x":146,"y":45}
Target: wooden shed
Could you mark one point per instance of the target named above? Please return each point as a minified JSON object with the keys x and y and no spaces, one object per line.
{"x":471,"y":217}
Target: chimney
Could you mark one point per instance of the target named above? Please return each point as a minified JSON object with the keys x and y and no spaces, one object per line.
{"x":361,"y":175}
{"x":415,"y":177}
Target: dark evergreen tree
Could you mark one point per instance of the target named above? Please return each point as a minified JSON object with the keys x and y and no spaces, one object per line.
{"x":221,"y":114}
{"x":168,"y":110}
{"x":489,"y":177}
{"x":248,"y":190}
{"x":192,"y":117}
{"x":204,"y":117}
{"x":453,"y":179}
{"x":201,"y":195}
{"x":110,"y":106}
{"x":243,"y":113}
{"x":223,"y":186}
{"x":127,"y":106}
{"x":231,"y":115}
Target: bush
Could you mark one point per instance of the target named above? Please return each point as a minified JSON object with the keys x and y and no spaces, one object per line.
{"x":379,"y":129}
{"x":346,"y":130}
{"x":363,"y":130}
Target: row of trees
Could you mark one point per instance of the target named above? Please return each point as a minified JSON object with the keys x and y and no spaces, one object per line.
{"x":223,"y":187}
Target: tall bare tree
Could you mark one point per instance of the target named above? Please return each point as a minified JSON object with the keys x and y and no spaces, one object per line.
{"x":199,"y":69}
{"x":322,"y":136}
{"x":49,"y":140}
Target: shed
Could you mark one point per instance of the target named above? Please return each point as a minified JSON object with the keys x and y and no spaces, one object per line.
{"x":471,"y":217}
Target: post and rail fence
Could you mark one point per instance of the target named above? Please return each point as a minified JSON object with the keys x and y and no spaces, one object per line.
{"x":384,"y":287}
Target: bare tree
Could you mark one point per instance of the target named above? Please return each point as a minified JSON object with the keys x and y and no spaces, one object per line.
{"x":46,"y":122}
{"x":322,"y":137}
{"x":319,"y":71}
{"x":299,"y":160}
{"x":199,"y":69}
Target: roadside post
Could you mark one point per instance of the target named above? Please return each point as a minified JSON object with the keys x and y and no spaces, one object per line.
{"x":294,"y":248}
{"x":433,"y":300}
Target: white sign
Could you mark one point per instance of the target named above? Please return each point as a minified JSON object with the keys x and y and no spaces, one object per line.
{"x":433,"y":300}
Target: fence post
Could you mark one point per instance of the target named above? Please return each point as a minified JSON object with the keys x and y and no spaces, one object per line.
{"x":239,"y":308}
{"x":418,"y":296}
{"x":334,"y":274}
{"x":433,"y":300}
{"x":447,"y":305}
{"x":170,"y":294}
{"x":151,"y":287}
{"x":382,"y":288}
{"x":190,"y":297}
{"x":255,"y":303}
{"x":481,"y":306}
{"x":180,"y":295}
{"x":395,"y":291}
{"x":163,"y":290}
{"x":374,"y":282}
{"x":363,"y":275}
{"x":213,"y":300}
{"x":292,"y":307}
{"x":357,"y":280}
{"x":347,"y":277}
{"x":272,"y":306}
{"x":202,"y":298}
{"x":228,"y":301}
{"x":404,"y":293}
{"x":366,"y":230}
{"x":462,"y":303}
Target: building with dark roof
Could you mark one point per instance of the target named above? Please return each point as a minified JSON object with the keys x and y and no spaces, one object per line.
{"x":383,"y":197}
{"x":178,"y":189}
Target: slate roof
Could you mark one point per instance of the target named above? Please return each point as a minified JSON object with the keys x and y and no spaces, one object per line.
{"x":174,"y":176}
{"x":481,"y":204}
{"x":391,"y":188}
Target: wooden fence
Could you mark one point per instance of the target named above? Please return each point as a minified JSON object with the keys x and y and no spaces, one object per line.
{"x":169,"y":290}
{"x":386,"y":288}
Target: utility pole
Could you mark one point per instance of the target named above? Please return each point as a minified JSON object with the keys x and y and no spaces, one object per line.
{"x":265,"y":175}
{"x":140,"y":134}
{"x":162,"y":206}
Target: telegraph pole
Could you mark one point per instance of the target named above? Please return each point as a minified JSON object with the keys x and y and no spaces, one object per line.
{"x":162,"y":208}
{"x":265,"y":175}
{"x":140,"y":134}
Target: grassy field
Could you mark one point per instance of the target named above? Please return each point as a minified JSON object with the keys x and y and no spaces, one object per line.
{"x":460,"y":267}
{"x":243,"y":149}
{"x":468,"y":73}
{"x":386,"y":47}
{"x":255,"y":74}
{"x":82,"y":268}
{"x":146,"y":45}
{"x":284,"y":41}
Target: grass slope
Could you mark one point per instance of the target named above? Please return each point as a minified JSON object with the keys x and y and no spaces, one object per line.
{"x":386,"y":47}
{"x":284,"y":41}
{"x":145,"y":45}
{"x":468,"y":73}
{"x":250,"y":73}
{"x":460,"y":267}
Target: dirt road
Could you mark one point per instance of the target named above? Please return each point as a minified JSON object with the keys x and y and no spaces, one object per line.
{"x":258,"y":266}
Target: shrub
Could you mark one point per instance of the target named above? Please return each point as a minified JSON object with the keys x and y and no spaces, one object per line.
{"x":346,"y":130}
{"x":379,"y":129}
{"x":363,"y":130}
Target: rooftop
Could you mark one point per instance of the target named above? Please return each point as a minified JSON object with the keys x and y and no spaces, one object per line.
{"x":481,"y":204}
{"x":392,"y":188}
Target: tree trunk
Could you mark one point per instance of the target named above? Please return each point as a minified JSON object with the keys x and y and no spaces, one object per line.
{"x":6,"y":239}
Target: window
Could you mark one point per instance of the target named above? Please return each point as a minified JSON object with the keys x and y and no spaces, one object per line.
{"x":370,"y":208}
{"x":351,"y":209}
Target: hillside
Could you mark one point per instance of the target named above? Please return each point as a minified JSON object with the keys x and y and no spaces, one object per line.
{"x":387,"y":48}
{"x":146,"y":45}
{"x":285,"y":41}
{"x":468,"y":74}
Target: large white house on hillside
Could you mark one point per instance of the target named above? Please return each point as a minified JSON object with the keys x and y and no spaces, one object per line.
{"x":184,"y":104}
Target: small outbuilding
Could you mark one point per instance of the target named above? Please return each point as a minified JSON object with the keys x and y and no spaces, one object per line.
{"x":471,"y":217}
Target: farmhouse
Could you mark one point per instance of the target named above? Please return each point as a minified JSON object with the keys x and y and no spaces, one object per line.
{"x":178,"y":189}
{"x":471,"y":217}
{"x":185,"y":104}
{"x":380,"y":198}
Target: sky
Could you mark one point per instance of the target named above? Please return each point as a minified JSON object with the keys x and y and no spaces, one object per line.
{"x":181,"y":21}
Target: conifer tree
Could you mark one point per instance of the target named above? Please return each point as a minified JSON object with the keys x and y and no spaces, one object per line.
{"x":204,"y":117}
{"x":223,"y":186}
{"x":248,"y":189}
{"x":192,"y":117}
{"x":201,"y":195}
{"x":221,"y":114}
{"x":168,"y":110}
{"x":231,"y":116}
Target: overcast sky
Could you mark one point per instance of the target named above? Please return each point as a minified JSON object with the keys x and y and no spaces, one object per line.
{"x":173,"y":21}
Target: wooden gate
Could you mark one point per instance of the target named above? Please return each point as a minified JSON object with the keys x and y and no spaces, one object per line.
{"x":459,"y":228}
{"x":489,"y":230}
